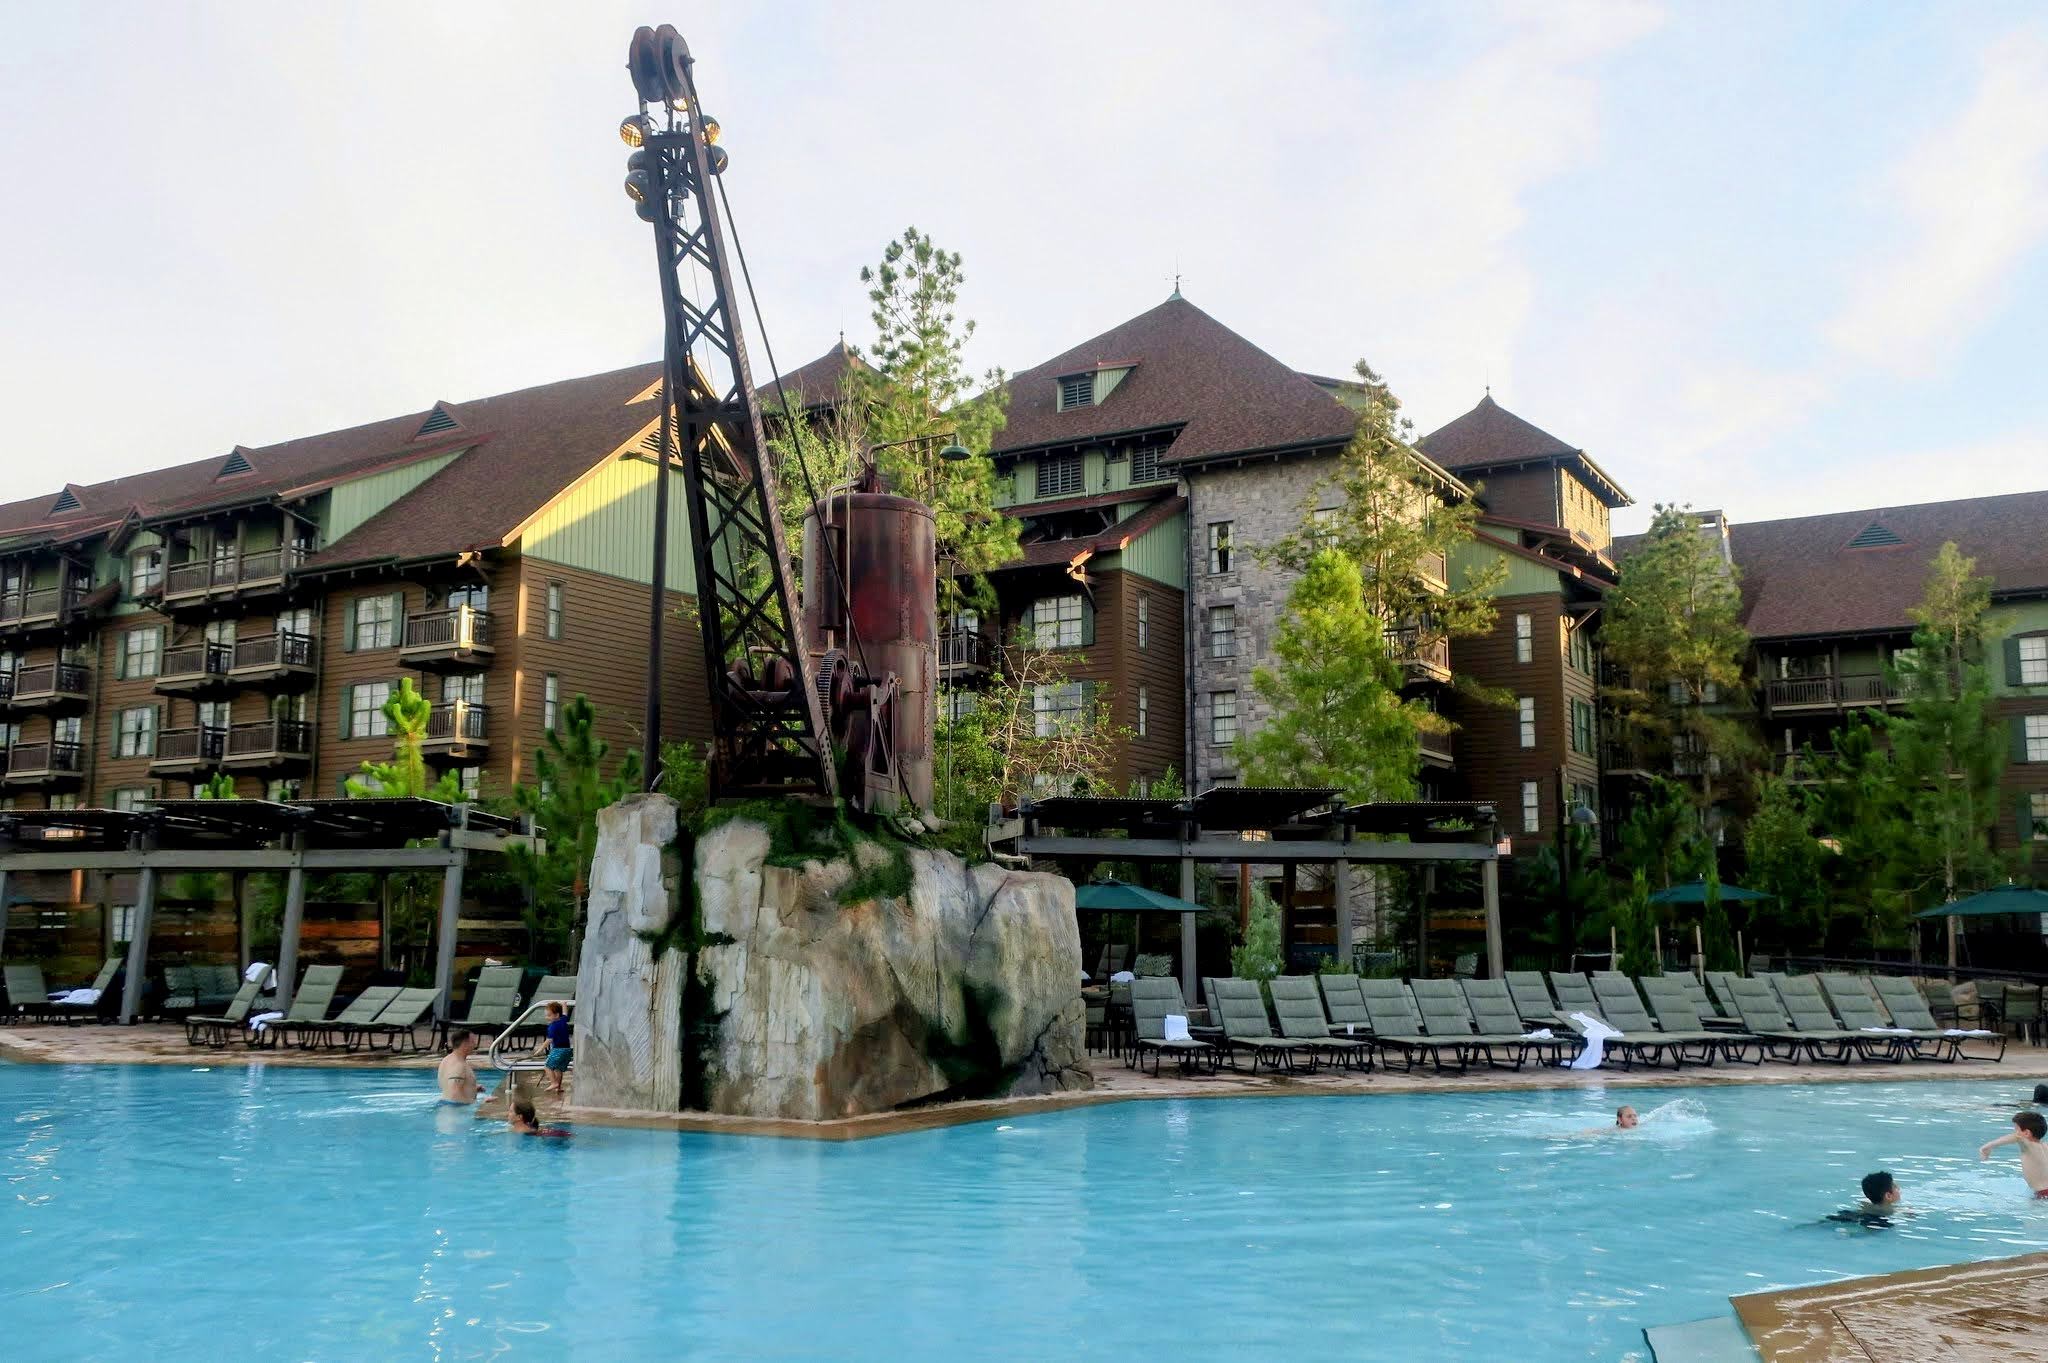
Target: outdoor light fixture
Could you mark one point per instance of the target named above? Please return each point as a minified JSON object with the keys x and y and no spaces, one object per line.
{"x":709,"y":127}
{"x":956,"y":453}
{"x":718,"y":158}
{"x":635,"y":131}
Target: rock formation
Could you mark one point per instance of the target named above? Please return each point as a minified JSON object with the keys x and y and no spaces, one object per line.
{"x":628,"y":1002}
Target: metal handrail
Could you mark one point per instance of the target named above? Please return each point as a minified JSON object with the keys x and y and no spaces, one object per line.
{"x":568,"y":1005}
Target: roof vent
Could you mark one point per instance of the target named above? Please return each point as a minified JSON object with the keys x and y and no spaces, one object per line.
{"x":1876,"y":535}
{"x":235,"y":463}
{"x":437,"y":421}
{"x":67,"y":500}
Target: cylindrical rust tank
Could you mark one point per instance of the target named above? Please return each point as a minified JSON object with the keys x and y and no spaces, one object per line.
{"x":883,"y":546}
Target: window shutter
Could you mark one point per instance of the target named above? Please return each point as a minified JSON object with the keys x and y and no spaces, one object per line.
{"x":347,"y":704}
{"x":397,"y":619}
{"x":121,"y":657}
{"x":2019,"y":738}
{"x":348,"y":632}
{"x":2012,"y":662}
{"x":1087,"y":623}
{"x":2023,"y":818}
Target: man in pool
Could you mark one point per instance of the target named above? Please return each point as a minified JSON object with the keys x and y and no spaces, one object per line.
{"x":458,"y":1080}
{"x":524,"y":1121}
{"x":2028,"y":1129}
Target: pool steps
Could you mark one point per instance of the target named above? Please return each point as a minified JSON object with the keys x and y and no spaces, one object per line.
{"x":527,"y":1060}
{"x":1717,"y":1339}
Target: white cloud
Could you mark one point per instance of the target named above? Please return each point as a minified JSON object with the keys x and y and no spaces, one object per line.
{"x":1974,"y":193}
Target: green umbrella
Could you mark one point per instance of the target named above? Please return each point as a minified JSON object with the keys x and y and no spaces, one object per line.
{"x":1115,"y":896}
{"x":1694,"y":891}
{"x":2007,"y":898}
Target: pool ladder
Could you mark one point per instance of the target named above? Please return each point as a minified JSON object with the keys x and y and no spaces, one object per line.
{"x":529,"y":1062}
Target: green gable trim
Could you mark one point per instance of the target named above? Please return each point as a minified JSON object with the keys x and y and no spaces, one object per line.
{"x":606,"y":525}
{"x":351,"y":503}
{"x":1524,"y":577}
{"x":1161,"y":553}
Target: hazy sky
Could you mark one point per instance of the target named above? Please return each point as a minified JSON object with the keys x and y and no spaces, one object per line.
{"x":1773,"y":258}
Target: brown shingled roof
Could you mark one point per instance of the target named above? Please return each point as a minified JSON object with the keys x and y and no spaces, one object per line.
{"x":1040,"y":553}
{"x":1800,"y":577}
{"x":817,"y":384}
{"x":1222,"y":393}
{"x":1490,"y":436}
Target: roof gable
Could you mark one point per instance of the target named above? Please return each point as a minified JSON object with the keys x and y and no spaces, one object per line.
{"x":236,"y":464}
{"x":1490,"y":437}
{"x":70,"y":499}
{"x":439,"y":421}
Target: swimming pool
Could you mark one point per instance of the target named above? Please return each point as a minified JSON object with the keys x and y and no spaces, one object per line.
{"x":319,"y":1214}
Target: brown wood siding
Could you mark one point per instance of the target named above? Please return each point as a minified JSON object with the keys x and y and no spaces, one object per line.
{"x":2020,"y":780}
{"x":113,"y":695}
{"x":1524,"y":494}
{"x":1491,"y":762}
{"x":1584,"y":513}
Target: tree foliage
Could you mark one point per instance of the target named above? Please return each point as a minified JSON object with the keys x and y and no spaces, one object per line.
{"x":570,"y":786}
{"x":1338,"y":716}
{"x":1261,"y":955}
{"x":1674,"y":633}
{"x":1786,"y":861}
{"x":1019,"y":736}
{"x":1661,"y":836}
{"x":406,"y":713}
{"x":1636,"y":932}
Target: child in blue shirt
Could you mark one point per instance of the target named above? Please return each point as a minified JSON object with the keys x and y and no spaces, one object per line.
{"x":559,"y":1050}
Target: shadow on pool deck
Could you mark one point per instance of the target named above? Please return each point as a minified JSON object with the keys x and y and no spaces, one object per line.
{"x":1114,"y":1082}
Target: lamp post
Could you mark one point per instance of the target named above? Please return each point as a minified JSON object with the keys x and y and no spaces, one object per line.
{"x":1579,"y":815}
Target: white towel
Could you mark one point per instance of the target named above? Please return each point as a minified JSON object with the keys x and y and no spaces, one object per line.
{"x":1084,"y":974}
{"x":256,"y":971}
{"x":1540,"y":1034}
{"x":1122,"y":977}
{"x":262,"y":1020}
{"x":1967,"y":1031}
{"x":1177,"y":1027}
{"x":1889,"y":1031}
{"x":80,"y":996}
{"x":1597,"y":1034}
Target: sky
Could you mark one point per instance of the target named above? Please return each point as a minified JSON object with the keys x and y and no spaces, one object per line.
{"x":1772,"y":259}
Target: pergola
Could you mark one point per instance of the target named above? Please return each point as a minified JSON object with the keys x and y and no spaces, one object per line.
{"x":294,"y":836}
{"x":1252,"y":825}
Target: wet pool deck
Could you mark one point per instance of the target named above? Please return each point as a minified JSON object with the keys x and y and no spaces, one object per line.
{"x":1997,"y":1309}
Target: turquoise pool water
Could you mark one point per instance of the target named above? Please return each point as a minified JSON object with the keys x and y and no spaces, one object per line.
{"x":307,"y":1214}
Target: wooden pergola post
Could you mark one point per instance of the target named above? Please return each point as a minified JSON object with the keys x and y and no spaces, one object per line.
{"x":138,"y":945}
{"x":1489,"y":882}
{"x":444,"y":951}
{"x":289,"y":933}
{"x":3,"y":912}
{"x":1187,"y":933}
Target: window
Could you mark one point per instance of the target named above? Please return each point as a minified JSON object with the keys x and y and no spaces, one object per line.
{"x":1223,"y":717}
{"x":1145,"y":466}
{"x":373,"y":622}
{"x":282,"y":789}
{"x":1144,"y":622}
{"x":132,"y":797}
{"x":69,"y":730}
{"x":1525,"y":639}
{"x":145,"y":571}
{"x":142,"y":652}
{"x":552,"y":621}
{"x":476,"y":596}
{"x":220,"y":632}
{"x":2037,"y":817}
{"x":298,"y":621}
{"x":1059,"y":621}
{"x":1077,"y":390}
{"x":550,"y":700}
{"x":960,"y":705}
{"x":1322,"y":527}
{"x":1582,"y":727}
{"x":1219,"y":546}
{"x":1223,"y":631}
{"x":1144,"y":712}
{"x":122,"y":925}
{"x":63,"y":802}
{"x":1677,"y":692}
{"x":469,"y":780}
{"x":362,"y":710}
{"x":1059,"y":708}
{"x":1060,"y":477}
{"x":2033,"y":655}
{"x":213,"y":714}
{"x":1525,"y":716}
{"x":1579,"y":651}
{"x":135,"y":733}
{"x":2035,"y":730}
{"x":1532,"y":808}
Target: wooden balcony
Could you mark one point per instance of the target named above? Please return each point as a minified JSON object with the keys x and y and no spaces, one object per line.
{"x":285,"y":660}
{"x":53,"y":688}
{"x":53,"y":766}
{"x":190,"y":752}
{"x":244,"y":577}
{"x":1437,"y":750}
{"x":965,"y":652}
{"x":269,"y":745}
{"x":1625,"y":759}
{"x":1424,"y":659}
{"x":453,"y":640}
{"x":35,"y":609}
{"x":1854,"y":690}
{"x":457,"y":731}
{"x":195,"y":670}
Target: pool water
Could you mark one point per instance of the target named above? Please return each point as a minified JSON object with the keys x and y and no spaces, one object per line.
{"x":315,"y":1214}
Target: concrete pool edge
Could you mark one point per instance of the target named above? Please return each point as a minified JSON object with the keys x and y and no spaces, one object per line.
{"x":1968,"y":1310}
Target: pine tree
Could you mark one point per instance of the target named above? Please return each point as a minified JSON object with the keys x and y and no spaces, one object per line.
{"x":406,"y":713}
{"x":1338,"y":715}
{"x":570,"y":787}
{"x":1786,"y":861}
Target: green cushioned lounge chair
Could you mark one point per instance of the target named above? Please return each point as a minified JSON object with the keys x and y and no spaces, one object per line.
{"x":1908,"y":1009}
{"x":1622,"y":1007}
{"x":493,"y":1002}
{"x":1704,"y":1007}
{"x":1299,"y":1005}
{"x":1445,"y":1013}
{"x":1532,"y":998}
{"x":1809,"y":1011}
{"x":1763,"y":1013}
{"x":1678,"y":1015}
{"x":337,"y":1031}
{"x":1495,"y":1013}
{"x":1860,"y":1011}
{"x":1397,"y":1026}
{"x":1574,"y":994}
{"x":219,"y":1029}
{"x":310,"y":1002}
{"x":28,"y":995}
{"x":397,"y":1027}
{"x":1153,"y":1000}
{"x":1247,"y":1028}
{"x":1722,"y":982}
{"x":1344,"y":1003}
{"x":102,"y":982}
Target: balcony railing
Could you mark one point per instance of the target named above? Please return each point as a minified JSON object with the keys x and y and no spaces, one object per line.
{"x":34,"y":605}
{"x":270,"y":738}
{"x":197,"y":745}
{"x":188,"y":662}
{"x":1861,"y":688}
{"x":462,"y":627}
{"x":284,"y":648}
{"x":1430,"y":654}
{"x":46,"y":681}
{"x":46,"y":758}
{"x":228,"y":572}
{"x":1437,"y":748}
{"x":966,"y":648}
{"x":459,"y":721}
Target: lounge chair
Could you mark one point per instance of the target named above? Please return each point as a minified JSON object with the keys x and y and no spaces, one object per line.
{"x":1299,"y":1005}
{"x":493,"y":1002}
{"x":1939,"y":998}
{"x":1153,"y":999}
{"x":1495,"y":1014}
{"x":1765,"y":1017}
{"x":1445,"y":1012}
{"x":398,"y":1025}
{"x":2023,"y":1011}
{"x":101,"y":983}
{"x":1532,"y":998}
{"x":1345,"y":1004}
{"x":181,"y":993}
{"x":219,"y":1029}
{"x":310,"y":1002}
{"x":1621,"y":1007}
{"x":1111,"y":961}
{"x":215,"y":985}
{"x":1574,"y":995}
{"x":1908,"y":1009}
{"x":1396,"y":1024}
{"x":1809,"y":1011}
{"x":1678,"y":1015}
{"x":28,"y":996}
{"x":339,"y":1031}
{"x":1704,"y":1007}
{"x":1722,"y":982}
{"x":1859,"y":1011}
{"x":1247,"y":1028}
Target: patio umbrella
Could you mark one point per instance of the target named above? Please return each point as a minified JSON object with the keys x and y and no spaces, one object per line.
{"x":1694,"y":891}
{"x":2007,"y":898}
{"x":1116,"y":896}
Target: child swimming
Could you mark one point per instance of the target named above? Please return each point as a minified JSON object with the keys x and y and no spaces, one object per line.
{"x":2028,"y":1129}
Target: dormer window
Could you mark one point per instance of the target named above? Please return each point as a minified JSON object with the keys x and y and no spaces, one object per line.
{"x":1876,"y":535}
{"x":437,"y":422}
{"x":1077,"y":390}
{"x":67,"y":500}
{"x":236,"y":463}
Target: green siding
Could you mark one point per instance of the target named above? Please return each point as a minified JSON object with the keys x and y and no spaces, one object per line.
{"x":350,"y":504}
{"x":606,"y":526}
{"x":2001,"y":622}
{"x":1524,"y":578}
{"x":1161,"y":553}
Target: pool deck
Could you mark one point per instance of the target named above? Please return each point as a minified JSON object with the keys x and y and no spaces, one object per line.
{"x":1996,"y":1309}
{"x":1115,"y":1082}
